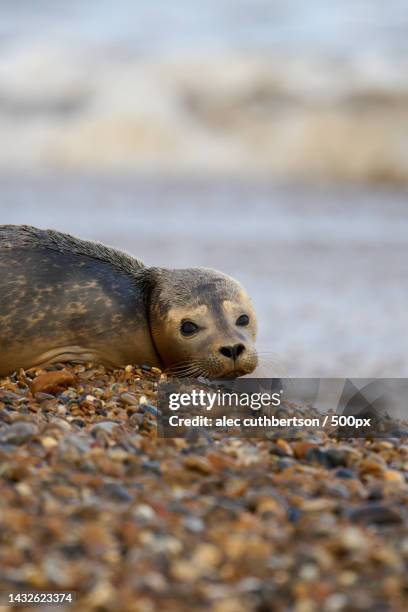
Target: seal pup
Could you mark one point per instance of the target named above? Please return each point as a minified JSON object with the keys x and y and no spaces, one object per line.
{"x":65,"y":299}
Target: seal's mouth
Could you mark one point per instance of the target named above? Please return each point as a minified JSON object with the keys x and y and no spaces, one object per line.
{"x":213,"y":369}
{"x":225,"y":376}
{"x":233,"y":374}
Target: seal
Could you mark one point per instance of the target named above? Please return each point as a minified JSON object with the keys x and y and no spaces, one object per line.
{"x":66,"y":299}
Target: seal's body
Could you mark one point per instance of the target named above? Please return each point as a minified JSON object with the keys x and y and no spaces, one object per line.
{"x":65,"y":299}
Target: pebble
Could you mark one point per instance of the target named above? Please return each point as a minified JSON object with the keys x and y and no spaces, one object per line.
{"x":93,"y":500}
{"x":117,"y":492}
{"x":375,"y":513}
{"x":52,"y":382}
{"x":42,"y":397}
{"x":199,"y":464}
{"x":150,"y":409}
{"x":394,"y":476}
{"x":345,"y":473}
{"x":284,"y":447}
{"x":18,"y":433}
{"x":72,"y":446}
{"x":49,"y":442}
{"x":302,"y":447}
{"x":194,"y":524}
{"x":129,"y":398}
{"x":206,"y":556}
{"x":353,"y":538}
{"x":145,"y":512}
{"x":107,"y":426}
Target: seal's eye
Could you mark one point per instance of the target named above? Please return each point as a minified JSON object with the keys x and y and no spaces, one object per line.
{"x":188,"y":328}
{"x":242,"y":320}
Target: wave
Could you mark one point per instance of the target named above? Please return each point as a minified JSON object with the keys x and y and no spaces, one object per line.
{"x":282,"y":117}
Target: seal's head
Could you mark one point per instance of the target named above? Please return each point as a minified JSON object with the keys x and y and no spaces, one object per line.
{"x":202,"y":323}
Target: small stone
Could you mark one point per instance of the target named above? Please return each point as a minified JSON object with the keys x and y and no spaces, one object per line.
{"x":404,"y":547}
{"x":293,"y":514}
{"x":117,"y":492}
{"x":319,"y":456}
{"x":52,"y":382}
{"x":230,"y":604}
{"x":375,"y":493}
{"x":107,"y":426}
{"x":394,"y":476}
{"x":352,"y":538}
{"x":284,"y":447}
{"x":372,"y":466}
{"x":18,"y":433}
{"x":337,"y":457}
{"x":309,"y":571}
{"x":145,"y":512}
{"x":101,"y":595}
{"x":49,"y":442}
{"x":155,"y":582}
{"x":301,"y":448}
{"x":184,"y":571}
{"x":206,"y":556}
{"x":375,"y":513}
{"x":196,"y":434}
{"x":78,"y":423}
{"x":147,"y":408}
{"x":249,"y":584}
{"x":24,"y":489}
{"x":72,"y":447}
{"x":270,"y":505}
{"x":318,"y":505}
{"x":336,"y":602}
{"x":118,"y":454}
{"x":199,"y":464}
{"x":129,"y":398}
{"x":42,"y":397}
{"x":347,"y":578}
{"x":236,"y":487}
{"x":194,"y":524}
{"x":345,"y":473}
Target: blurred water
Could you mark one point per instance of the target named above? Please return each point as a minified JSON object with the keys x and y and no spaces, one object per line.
{"x":339,"y":26}
{"x":327,"y":267}
{"x":289,"y":89}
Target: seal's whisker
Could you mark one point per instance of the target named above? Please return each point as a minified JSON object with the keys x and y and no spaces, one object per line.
{"x":184,"y":362}
{"x":187,"y":371}
{"x":191,"y":369}
{"x":206,"y":373}
{"x":183,"y":368}
{"x":181,"y":365}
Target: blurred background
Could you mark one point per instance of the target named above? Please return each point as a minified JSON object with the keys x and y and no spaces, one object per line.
{"x":265,"y":138}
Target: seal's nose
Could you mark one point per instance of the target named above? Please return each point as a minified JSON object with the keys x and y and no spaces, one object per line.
{"x":233,"y":352}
